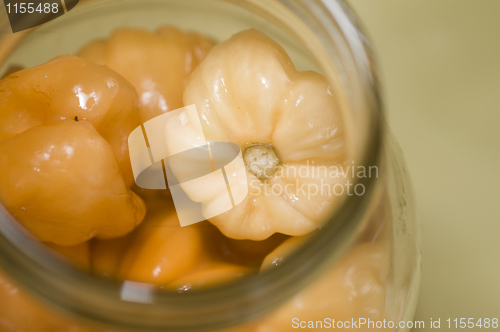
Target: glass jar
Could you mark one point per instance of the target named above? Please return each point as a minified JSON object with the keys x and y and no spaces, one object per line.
{"x":318,"y":35}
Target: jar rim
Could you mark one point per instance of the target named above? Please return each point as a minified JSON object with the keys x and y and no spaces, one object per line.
{"x":231,"y":303}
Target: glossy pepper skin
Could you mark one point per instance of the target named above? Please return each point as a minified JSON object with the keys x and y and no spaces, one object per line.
{"x":248,"y":92}
{"x":160,"y":250}
{"x":210,"y":275}
{"x":63,"y":183}
{"x":157,"y":64}
{"x":69,"y":87}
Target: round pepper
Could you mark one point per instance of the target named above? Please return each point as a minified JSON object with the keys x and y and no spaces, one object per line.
{"x":69,"y":87}
{"x":157,"y":64}
{"x":288,"y":126}
{"x":62,"y":182}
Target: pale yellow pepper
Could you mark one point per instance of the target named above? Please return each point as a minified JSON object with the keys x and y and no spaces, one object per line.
{"x":288,"y":125}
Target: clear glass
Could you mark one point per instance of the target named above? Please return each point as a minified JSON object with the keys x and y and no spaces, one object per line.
{"x":318,"y":35}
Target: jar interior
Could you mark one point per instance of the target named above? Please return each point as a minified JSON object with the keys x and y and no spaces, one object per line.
{"x":92,"y":20}
{"x":217,"y":20}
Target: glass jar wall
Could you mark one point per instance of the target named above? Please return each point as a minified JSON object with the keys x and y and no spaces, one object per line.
{"x":363,"y":266}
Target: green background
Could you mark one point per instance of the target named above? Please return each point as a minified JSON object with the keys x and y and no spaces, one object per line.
{"x":440,"y":71}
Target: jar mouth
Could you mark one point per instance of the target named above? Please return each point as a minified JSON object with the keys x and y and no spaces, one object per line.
{"x":136,"y":306}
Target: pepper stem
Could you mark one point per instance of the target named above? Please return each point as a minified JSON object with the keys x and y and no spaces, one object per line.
{"x":261,"y":159}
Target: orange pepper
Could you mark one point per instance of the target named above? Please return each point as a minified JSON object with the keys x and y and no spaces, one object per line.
{"x":62,"y":182}
{"x":157,"y":64}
